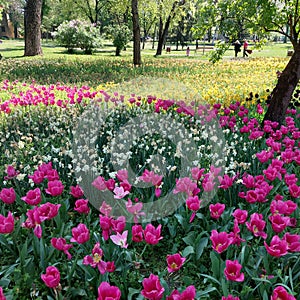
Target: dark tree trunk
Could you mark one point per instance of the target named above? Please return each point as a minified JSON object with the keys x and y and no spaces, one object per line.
{"x":32,"y":25}
{"x":283,"y":91}
{"x":163,"y":30}
{"x":136,"y":34}
{"x":162,"y":35}
{"x":118,"y":51}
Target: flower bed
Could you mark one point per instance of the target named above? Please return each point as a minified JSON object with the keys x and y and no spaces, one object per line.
{"x":206,"y":207}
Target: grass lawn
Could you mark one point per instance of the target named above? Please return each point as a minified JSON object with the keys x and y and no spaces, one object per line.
{"x":171,"y":75}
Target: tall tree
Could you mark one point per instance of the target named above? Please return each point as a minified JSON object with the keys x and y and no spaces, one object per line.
{"x":32,"y":27}
{"x":168,"y":11}
{"x":137,"y":60}
{"x":236,"y":17}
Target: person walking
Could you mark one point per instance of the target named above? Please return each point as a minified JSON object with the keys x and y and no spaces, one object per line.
{"x":237,"y":47}
{"x":188,"y":51}
{"x":245,"y":46}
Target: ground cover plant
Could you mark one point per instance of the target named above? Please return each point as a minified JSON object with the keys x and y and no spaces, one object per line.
{"x":55,"y":244}
{"x":147,"y":197}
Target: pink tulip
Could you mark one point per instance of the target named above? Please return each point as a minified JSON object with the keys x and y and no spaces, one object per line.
{"x":105,"y":224}
{"x":55,"y":188}
{"x":110,"y":266}
{"x":81,"y":206}
{"x":99,"y":183}
{"x":8,"y":195}
{"x":48,"y":210}
{"x":52,"y":277}
{"x":193,"y":204}
{"x":52,"y":175}
{"x":105,"y":209}
{"x":216,"y":210}
{"x":95,"y":260}
{"x":108,"y":292}
{"x":122,"y":175}
{"x":280,"y":293}
{"x":197,"y":173}
{"x":294,"y":190}
{"x":2,"y":296}
{"x":151,"y":177}
{"x":188,"y":294}
{"x":152,"y":234}
{"x":119,"y":224}
{"x":233,"y":271}
{"x":45,"y":167}
{"x":257,"y":225}
{"x":293,"y":242}
{"x":33,"y":197}
{"x":37,"y":177}
{"x":11,"y":173}
{"x":137,"y":233}
{"x":135,"y":209}
{"x":230,"y":297}
{"x":236,"y":238}
{"x":61,"y":245}
{"x":175,"y":262}
{"x":120,"y":239}
{"x":110,"y":184}
{"x":34,"y":220}
{"x":277,"y":247}
{"x":185,"y":185}
{"x":120,"y":193}
{"x":279,"y":223}
{"x":7,"y":223}
{"x":220,"y":241}
{"x":80,"y":234}
{"x":240,"y":215}
{"x":290,"y":179}
{"x":152,"y":288}
{"x":225,"y":182}
{"x":76,"y":191}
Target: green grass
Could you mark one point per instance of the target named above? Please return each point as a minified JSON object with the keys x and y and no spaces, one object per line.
{"x":231,"y":79}
{"x":15,"y":49}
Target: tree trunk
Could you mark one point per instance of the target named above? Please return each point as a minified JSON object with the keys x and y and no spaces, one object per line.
{"x":118,"y":51}
{"x":32,"y":26}
{"x":162,"y":36}
{"x":283,"y":91}
{"x":136,"y":34}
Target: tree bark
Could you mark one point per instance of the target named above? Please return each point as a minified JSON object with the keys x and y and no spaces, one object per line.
{"x":137,"y":60}
{"x":32,"y":25}
{"x":284,"y":89}
{"x":163,"y":30}
{"x":162,"y":36}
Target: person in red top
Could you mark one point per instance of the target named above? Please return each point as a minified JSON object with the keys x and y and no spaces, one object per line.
{"x":245,"y":45}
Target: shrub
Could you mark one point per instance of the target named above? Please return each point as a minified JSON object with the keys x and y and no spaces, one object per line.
{"x":77,"y":34}
{"x":120,"y":36}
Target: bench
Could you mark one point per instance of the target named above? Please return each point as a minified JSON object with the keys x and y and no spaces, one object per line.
{"x":204,"y":48}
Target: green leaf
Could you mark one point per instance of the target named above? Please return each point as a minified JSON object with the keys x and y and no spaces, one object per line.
{"x":200,"y":246}
{"x":187,"y":251}
{"x":132,"y":292}
{"x":207,"y":291}
{"x":215,"y":264}
{"x":211,"y":278}
{"x":190,"y":239}
{"x":224,"y":286}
